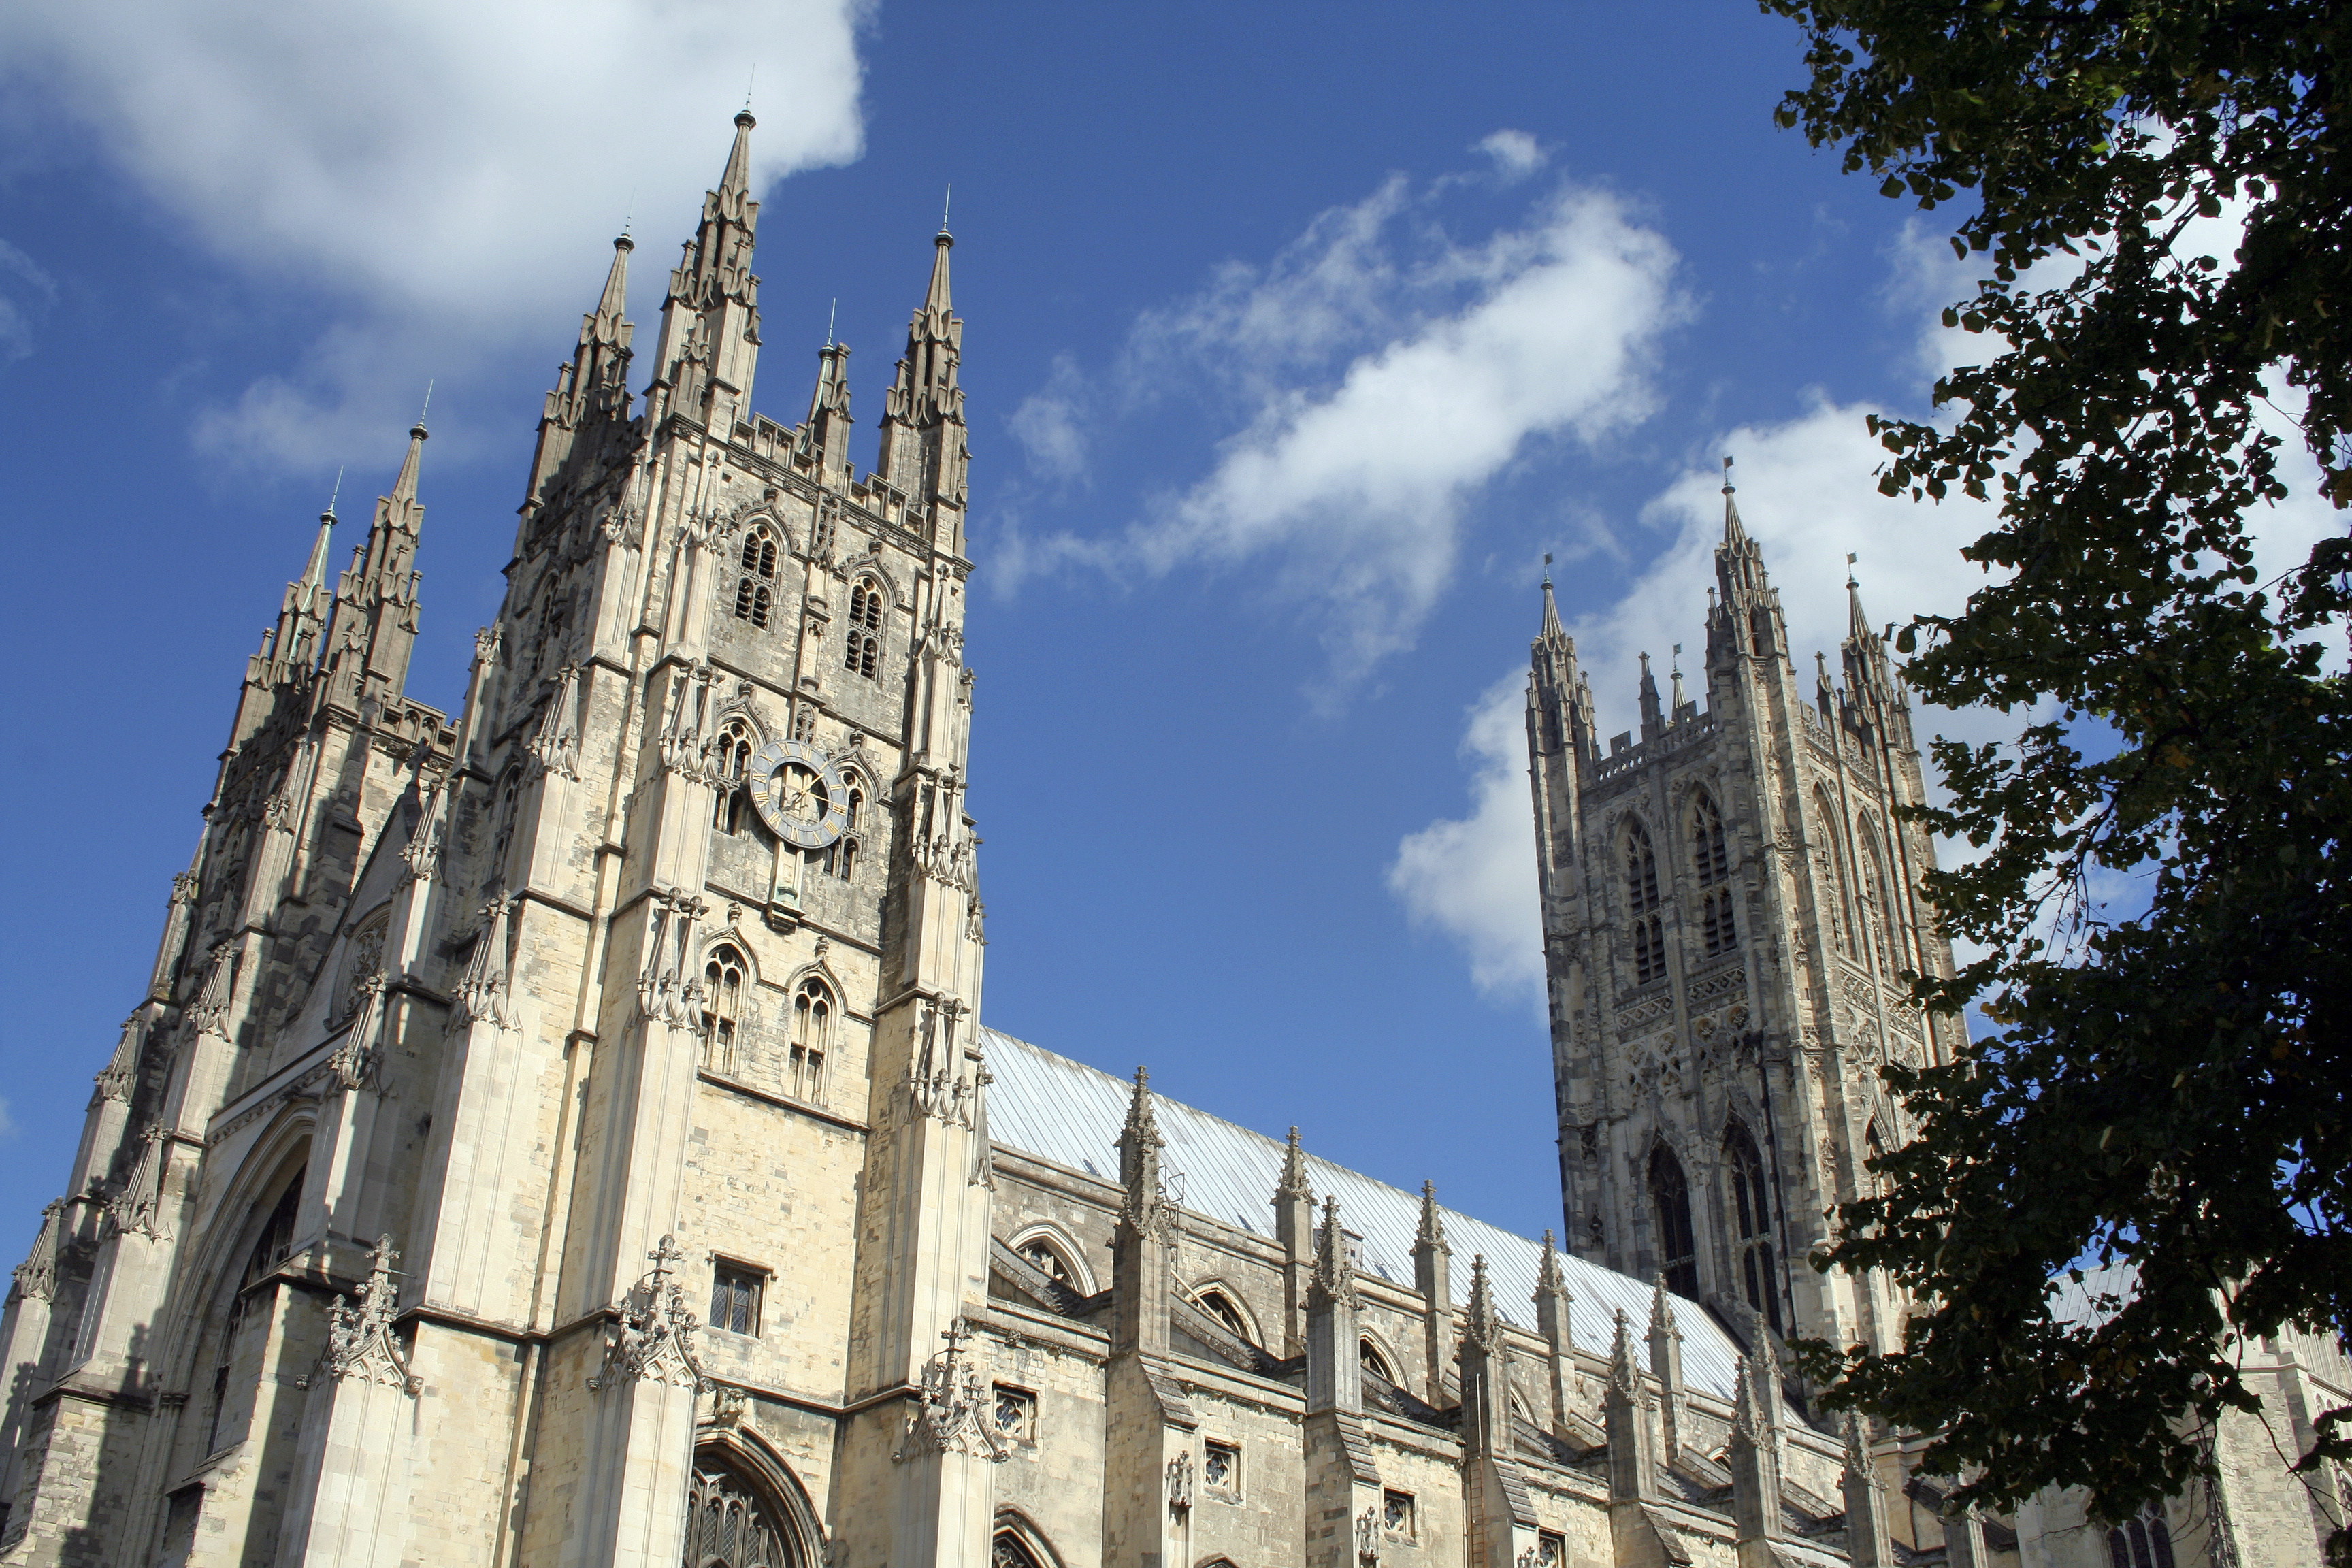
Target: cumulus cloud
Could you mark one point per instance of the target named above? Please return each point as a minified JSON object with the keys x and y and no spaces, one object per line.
{"x":1050,"y":424}
{"x":26,"y":292}
{"x":453,"y":170}
{"x":1474,"y":878}
{"x":1515,"y":153}
{"x":1380,"y":374}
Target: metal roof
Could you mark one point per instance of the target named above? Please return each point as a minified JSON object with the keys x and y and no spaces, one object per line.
{"x":1064,"y":1112}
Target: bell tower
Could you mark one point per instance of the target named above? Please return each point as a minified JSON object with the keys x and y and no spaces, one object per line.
{"x":1729,"y":904}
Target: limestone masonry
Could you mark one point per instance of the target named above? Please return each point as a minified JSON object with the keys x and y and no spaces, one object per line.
{"x":565,"y":1135}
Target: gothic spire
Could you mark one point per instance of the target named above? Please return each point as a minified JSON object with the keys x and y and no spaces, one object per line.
{"x":1624,"y":1371}
{"x":1734,"y":536}
{"x":593,"y":384}
{"x":1432,"y":1226}
{"x":1680,"y":700}
{"x":924,"y":450}
{"x":1548,"y":1274}
{"x":828,"y":416}
{"x":1857,"y":623}
{"x":1552,"y":634}
{"x":1138,"y":1158}
{"x":1652,"y":720}
{"x":375,"y":603}
{"x":1661,"y":1310}
{"x":710,"y":318}
{"x":1334,"y":1277}
{"x":1482,"y":1325}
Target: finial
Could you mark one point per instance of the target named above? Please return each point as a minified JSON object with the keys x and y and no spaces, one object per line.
{"x":1678,"y":659}
{"x":944,"y":203}
{"x":629,"y":214}
{"x":1546,"y":567}
{"x":418,"y":428}
{"x":829,"y":317}
{"x":748,"y":82}
{"x":336,"y":495}
{"x":1727,"y":486}
{"x":1850,"y":559}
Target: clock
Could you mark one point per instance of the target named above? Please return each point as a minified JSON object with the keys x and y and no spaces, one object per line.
{"x":798,"y":794}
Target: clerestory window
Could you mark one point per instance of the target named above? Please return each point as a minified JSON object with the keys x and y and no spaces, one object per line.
{"x":1642,"y":901}
{"x":1751,"y":1218}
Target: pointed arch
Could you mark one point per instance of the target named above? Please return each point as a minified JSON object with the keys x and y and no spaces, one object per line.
{"x":1225,"y":1303}
{"x":1751,"y":1209}
{"x":815,"y":1017}
{"x":730,"y":762}
{"x":1670,"y":1206}
{"x":1877,"y":896}
{"x":1017,"y":1542}
{"x":266,"y":1229}
{"x":755,"y":573}
{"x":746,"y":1508}
{"x":727,"y":979}
{"x":1377,"y":1359}
{"x":1054,"y":1250}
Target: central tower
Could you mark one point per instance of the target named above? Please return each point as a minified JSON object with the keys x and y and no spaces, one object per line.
{"x":1729,"y":904}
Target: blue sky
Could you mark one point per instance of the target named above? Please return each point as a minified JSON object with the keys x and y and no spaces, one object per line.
{"x":1296,"y":337}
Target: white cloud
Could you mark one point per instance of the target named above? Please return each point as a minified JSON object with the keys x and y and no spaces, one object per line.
{"x":1383,"y":376}
{"x":1050,"y":424}
{"x":7,"y":1122}
{"x":1515,"y":153}
{"x":1475,"y":877}
{"x":26,"y":291}
{"x":454,"y":170}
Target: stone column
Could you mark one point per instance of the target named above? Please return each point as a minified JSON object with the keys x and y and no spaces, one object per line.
{"x":1755,"y":1470}
{"x":1502,"y":1522}
{"x":1147,"y":1457}
{"x":1294,"y":1227}
{"x":1666,"y":1366}
{"x":1432,"y":1277}
{"x":347,"y":1506}
{"x":1553,"y":1304}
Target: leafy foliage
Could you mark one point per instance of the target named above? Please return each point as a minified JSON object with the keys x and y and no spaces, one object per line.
{"x":2161,"y":195}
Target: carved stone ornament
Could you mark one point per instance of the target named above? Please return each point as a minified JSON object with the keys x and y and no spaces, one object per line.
{"x":666,"y":994}
{"x":360,"y":1342}
{"x":37,"y":1277}
{"x":653,"y":1342}
{"x":210,"y":1015}
{"x":1367,"y":1538}
{"x":555,"y":749}
{"x":120,"y":1076}
{"x":359,"y":1060}
{"x":137,"y":1209}
{"x":951,"y":1414}
{"x":1180,"y":1483}
{"x":422,"y":852}
{"x":481,"y":993}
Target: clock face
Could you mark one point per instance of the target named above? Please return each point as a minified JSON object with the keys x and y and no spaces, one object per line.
{"x":798,"y":794}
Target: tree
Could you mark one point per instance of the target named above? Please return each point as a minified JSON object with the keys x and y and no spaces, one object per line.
{"x":2161,"y":195}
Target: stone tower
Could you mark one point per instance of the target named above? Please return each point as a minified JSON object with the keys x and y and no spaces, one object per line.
{"x":548,"y":1136}
{"x":1728,"y":905}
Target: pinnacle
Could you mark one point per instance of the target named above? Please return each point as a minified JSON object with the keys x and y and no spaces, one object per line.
{"x":1858,"y":624}
{"x":1733,"y":534}
{"x":940,"y":298}
{"x":1552,"y":626}
{"x":615,"y":300}
{"x":737,"y":180}
{"x":404,"y":487}
{"x":314,"y":575}
{"x":1548,"y":1273}
{"x":1432,"y":1226}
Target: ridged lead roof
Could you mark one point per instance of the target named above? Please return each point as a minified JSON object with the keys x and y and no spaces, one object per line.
{"x":1070,"y":1114}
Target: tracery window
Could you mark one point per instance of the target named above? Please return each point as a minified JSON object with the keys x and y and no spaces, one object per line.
{"x":1049,"y":1260}
{"x":1009,"y":1551}
{"x":1640,"y":903}
{"x":1842,"y":911}
{"x":1877,"y":905}
{"x":755,"y":589}
{"x":722,"y":1004}
{"x":730,"y":759}
{"x":270,"y":1249}
{"x":841,"y":855}
{"x":1219,"y":1306}
{"x":1677,"y":1244}
{"x":2142,"y":1542}
{"x":862,"y":653}
{"x":1718,"y":926}
{"x":1751,"y":1218}
{"x":812,"y":1008}
{"x":729,"y":1525}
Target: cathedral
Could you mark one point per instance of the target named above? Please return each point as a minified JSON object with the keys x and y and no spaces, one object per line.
{"x":565,"y":1135}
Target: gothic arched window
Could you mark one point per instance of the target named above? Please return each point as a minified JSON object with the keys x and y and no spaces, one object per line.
{"x":1050,"y":1260}
{"x":863,"y":654}
{"x":2142,"y":1542}
{"x":722,"y":1008}
{"x":1009,"y":1551}
{"x":270,"y":1249}
{"x":730,"y":759}
{"x":1877,"y":899}
{"x":755,"y":591}
{"x":1642,"y":900}
{"x":1719,"y":925}
{"x":812,"y":1008}
{"x":1677,"y":1244}
{"x":729,"y":1525}
{"x":1219,"y":1306}
{"x":1842,"y":912}
{"x":1374,"y":1361}
{"x":1751,"y":1218}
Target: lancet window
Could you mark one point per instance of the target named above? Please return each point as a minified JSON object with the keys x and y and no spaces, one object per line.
{"x":1841,"y":900}
{"x":862,"y":653}
{"x":841,"y":856}
{"x":1642,"y":901}
{"x":1877,"y":905}
{"x":1677,"y":1243}
{"x":812,"y":1010}
{"x":1374,"y":1361}
{"x":1219,"y":1306}
{"x":1718,"y":924}
{"x":1751,"y":1218}
{"x":755,"y":588}
{"x":270,"y":1249}
{"x":722,"y":1008}
{"x":730,"y":760}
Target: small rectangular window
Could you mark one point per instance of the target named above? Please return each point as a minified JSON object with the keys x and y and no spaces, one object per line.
{"x":1221,"y":1468}
{"x":1016,"y":1413}
{"x":1397,"y":1513}
{"x":735,"y":1298}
